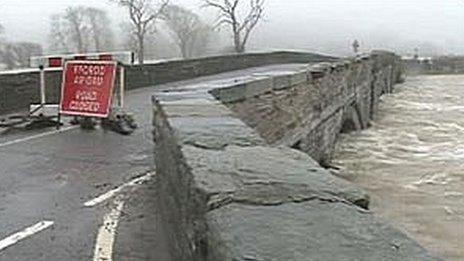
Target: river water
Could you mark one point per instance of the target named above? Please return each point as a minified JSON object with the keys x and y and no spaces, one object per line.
{"x":412,"y":162}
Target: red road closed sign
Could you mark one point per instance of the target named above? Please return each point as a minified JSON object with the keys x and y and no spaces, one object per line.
{"x":87,"y":88}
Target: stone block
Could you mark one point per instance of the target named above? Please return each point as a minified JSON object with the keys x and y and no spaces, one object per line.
{"x":195,"y":108}
{"x":299,"y":78}
{"x":258,"y":87}
{"x":309,"y":230}
{"x":231,"y":94}
{"x":316,"y":73}
{"x":282,"y":82}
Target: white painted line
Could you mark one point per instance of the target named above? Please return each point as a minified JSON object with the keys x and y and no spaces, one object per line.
{"x":15,"y":238}
{"x":107,"y":233}
{"x":41,"y":135}
{"x":102,"y":198}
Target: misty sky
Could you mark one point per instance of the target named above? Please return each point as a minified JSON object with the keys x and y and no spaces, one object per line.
{"x":319,"y":25}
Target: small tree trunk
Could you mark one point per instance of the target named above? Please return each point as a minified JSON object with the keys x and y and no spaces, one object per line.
{"x":183,"y":50}
{"x":141,"y":49}
{"x":241,"y":49}
{"x":237,"y":45}
{"x":80,"y":45}
{"x":97,"y":44}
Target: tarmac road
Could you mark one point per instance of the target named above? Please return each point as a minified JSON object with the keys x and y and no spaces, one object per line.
{"x":79,"y":195}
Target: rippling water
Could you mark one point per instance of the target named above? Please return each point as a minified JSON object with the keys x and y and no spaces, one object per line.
{"x":412,"y":162}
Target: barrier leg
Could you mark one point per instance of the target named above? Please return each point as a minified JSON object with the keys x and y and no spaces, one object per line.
{"x":42,"y":88}
{"x":121,"y":86}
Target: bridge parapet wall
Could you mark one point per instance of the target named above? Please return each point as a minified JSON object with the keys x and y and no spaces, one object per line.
{"x":310,"y":114}
{"x":227,"y":192}
{"x":18,"y":89}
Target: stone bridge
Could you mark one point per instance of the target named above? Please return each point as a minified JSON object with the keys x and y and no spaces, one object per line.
{"x":242,"y":154}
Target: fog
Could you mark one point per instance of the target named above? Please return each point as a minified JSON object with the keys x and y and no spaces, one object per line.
{"x":328,"y":26}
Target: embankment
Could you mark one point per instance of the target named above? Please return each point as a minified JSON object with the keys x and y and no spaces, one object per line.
{"x":436,"y":65}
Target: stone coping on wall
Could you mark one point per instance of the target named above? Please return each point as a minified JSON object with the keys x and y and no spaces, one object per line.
{"x":225,"y":194}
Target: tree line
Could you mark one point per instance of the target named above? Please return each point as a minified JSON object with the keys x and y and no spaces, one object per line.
{"x":84,"y":29}
{"x":16,"y":54}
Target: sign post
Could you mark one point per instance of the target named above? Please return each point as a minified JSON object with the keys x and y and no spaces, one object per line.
{"x":87,"y":88}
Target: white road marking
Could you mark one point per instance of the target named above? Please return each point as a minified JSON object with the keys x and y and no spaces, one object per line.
{"x":41,"y":135}
{"x":107,"y":233}
{"x":15,"y":238}
{"x":104,"y":197}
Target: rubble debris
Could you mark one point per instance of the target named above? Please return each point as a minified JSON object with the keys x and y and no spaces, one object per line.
{"x":120,"y":122}
{"x":15,"y":123}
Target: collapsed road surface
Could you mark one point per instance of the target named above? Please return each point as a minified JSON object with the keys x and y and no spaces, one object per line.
{"x":77,"y":195}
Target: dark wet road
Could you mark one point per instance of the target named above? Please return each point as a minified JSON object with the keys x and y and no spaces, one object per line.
{"x":51,"y":177}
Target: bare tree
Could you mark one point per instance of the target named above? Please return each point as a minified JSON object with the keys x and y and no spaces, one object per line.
{"x":81,"y":29}
{"x":143,"y":15}
{"x":58,"y":37}
{"x":77,"y":29}
{"x":17,"y":55}
{"x":241,"y":26}
{"x":99,"y":29}
{"x":189,"y":32}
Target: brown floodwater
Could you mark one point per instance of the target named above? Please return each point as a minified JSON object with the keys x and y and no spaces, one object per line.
{"x":412,"y":162}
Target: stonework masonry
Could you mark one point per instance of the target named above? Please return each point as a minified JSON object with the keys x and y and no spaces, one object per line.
{"x":20,"y":88}
{"x":238,"y":167}
{"x":317,"y":104}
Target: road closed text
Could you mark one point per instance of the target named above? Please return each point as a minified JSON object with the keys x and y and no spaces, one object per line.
{"x":86,"y":101}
